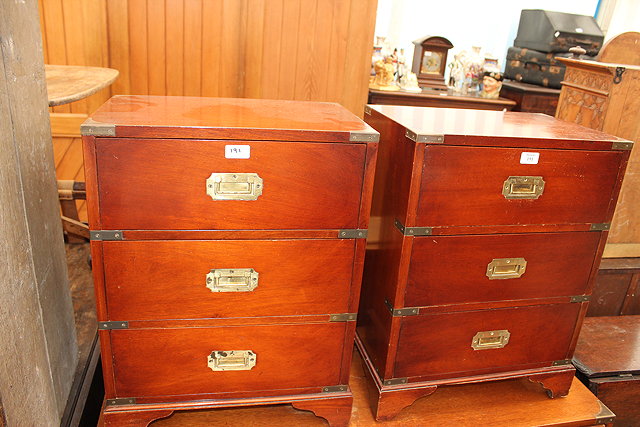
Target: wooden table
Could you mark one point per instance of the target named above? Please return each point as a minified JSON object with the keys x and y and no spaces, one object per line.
{"x":607,"y":359}
{"x":65,"y":84}
{"x":438,"y":98}
{"x":69,"y":83}
{"x":531,"y":98}
{"x":502,"y":403}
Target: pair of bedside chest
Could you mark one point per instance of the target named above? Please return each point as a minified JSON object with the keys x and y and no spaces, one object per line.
{"x":228,"y":244}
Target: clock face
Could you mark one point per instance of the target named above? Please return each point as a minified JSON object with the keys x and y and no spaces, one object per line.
{"x":431,"y":62}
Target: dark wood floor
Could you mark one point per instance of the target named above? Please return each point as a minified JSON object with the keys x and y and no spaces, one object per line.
{"x":82,"y":295}
{"x":83,"y":405}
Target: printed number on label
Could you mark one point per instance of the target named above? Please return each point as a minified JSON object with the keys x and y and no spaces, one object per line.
{"x":237,"y":151}
{"x":529,"y":158}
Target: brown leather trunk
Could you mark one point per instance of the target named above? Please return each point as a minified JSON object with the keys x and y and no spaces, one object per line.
{"x":228,"y":239}
{"x":491,"y":229}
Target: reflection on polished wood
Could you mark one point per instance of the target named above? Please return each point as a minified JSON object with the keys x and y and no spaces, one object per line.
{"x":471,"y":126}
{"x":502,"y":403}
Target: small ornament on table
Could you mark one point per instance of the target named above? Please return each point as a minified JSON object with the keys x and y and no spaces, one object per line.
{"x":457,"y":73}
{"x":474,"y":64}
{"x":375,"y":57}
{"x":385,"y":75}
{"x":491,"y":84}
{"x":402,"y":66}
{"x":409,"y":83}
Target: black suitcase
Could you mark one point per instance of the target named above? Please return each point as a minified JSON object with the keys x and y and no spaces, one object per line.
{"x":548,"y":31}
{"x":538,"y":68}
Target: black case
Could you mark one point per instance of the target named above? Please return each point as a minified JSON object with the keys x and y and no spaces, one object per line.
{"x":548,"y":31}
{"x":539,"y":68}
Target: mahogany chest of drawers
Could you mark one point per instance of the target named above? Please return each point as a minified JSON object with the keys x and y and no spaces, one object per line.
{"x":492,"y":225}
{"x":228,"y":240}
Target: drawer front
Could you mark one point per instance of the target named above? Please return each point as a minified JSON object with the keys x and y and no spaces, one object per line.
{"x":187,"y":184}
{"x":158,"y":362}
{"x":463,"y":186}
{"x":440,"y":345}
{"x":466,"y":269}
{"x":226,"y":278}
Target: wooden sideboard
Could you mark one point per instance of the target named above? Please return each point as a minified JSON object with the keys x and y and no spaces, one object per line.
{"x":438,"y":98}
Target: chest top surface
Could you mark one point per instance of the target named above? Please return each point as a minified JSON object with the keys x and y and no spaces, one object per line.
{"x":609,"y":346}
{"x":226,"y":118}
{"x":481,"y":125}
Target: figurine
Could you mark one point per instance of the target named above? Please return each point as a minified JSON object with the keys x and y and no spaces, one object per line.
{"x":491,"y":84}
{"x":409,"y":83}
{"x":456,"y":76}
{"x":384,"y":79}
{"x":474,"y":66}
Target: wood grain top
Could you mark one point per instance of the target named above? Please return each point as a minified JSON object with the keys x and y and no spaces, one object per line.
{"x":68,"y":83}
{"x":609,"y":67}
{"x":609,"y":346}
{"x":485,"y":124}
{"x":230,"y":118}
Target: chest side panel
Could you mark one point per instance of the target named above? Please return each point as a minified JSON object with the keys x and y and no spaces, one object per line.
{"x":465,"y":269}
{"x":162,"y":184}
{"x":463,"y":186}
{"x":441,"y":345}
{"x":157,"y":362}
{"x":226,"y":278}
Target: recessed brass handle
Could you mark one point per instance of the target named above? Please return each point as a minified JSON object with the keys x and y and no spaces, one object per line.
{"x":232,"y":280}
{"x":232,"y":360}
{"x":506,"y":268}
{"x":487,"y":340}
{"x":234,"y":186}
{"x":523,"y":187}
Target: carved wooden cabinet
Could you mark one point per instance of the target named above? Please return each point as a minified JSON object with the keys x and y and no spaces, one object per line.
{"x":606,"y":97}
{"x":492,"y":227}
{"x":228,"y":239}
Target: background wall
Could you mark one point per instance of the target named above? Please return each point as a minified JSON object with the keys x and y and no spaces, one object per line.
{"x":466,"y":23}
{"x":285,"y":49}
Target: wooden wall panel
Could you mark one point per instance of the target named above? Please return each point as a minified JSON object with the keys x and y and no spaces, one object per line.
{"x":281,"y":49}
{"x":316,"y":50}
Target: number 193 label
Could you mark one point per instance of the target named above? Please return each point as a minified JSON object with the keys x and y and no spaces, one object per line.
{"x":237,"y":151}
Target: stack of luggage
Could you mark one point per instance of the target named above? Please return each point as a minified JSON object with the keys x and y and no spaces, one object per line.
{"x":544,"y":35}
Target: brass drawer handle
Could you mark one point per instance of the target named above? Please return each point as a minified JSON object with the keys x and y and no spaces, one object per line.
{"x":232,"y":280}
{"x":487,"y":340}
{"x":523,"y":187}
{"x":232,"y":360}
{"x":234,"y":186}
{"x":506,"y":268}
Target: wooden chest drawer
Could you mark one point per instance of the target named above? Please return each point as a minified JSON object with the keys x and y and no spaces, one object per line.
{"x":228,"y":241}
{"x":175,"y":362}
{"x":491,"y":228}
{"x":482,"y":268}
{"x":437,"y":346}
{"x":495,"y":188}
{"x":148,"y":280}
{"x":168,"y":184}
